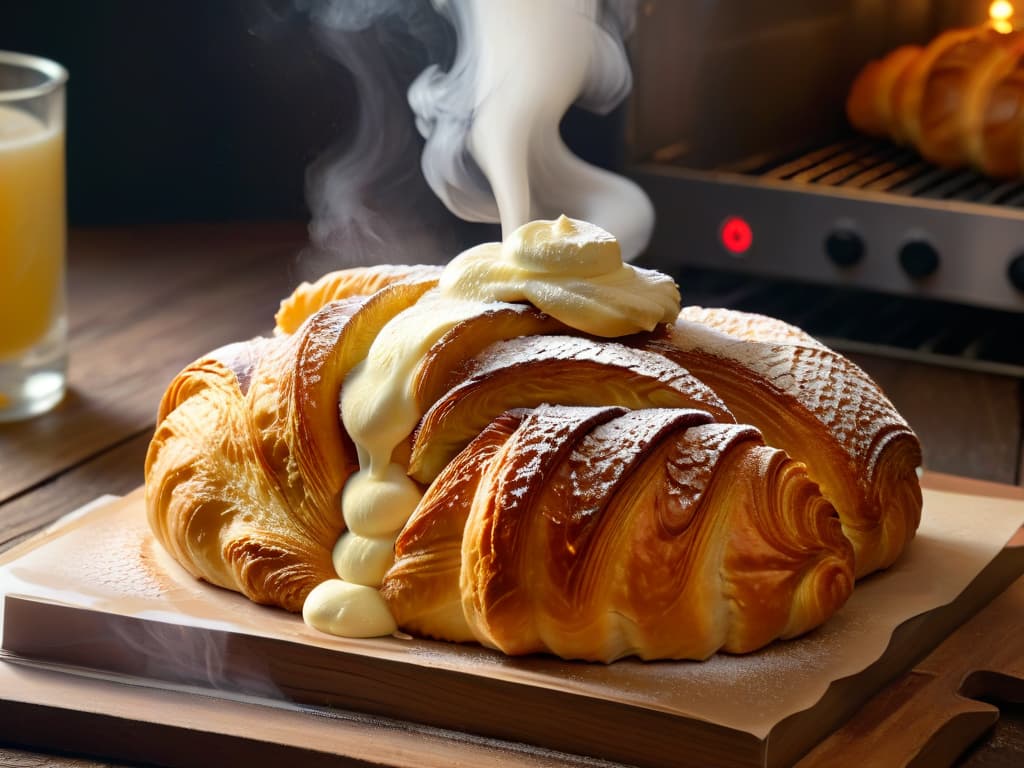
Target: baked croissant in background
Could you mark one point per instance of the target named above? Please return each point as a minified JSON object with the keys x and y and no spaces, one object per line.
{"x":959,"y":101}
{"x":586,"y":497}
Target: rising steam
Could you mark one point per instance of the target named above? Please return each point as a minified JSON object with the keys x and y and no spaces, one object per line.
{"x":494,"y":152}
{"x":369,"y":201}
{"x":490,"y":114}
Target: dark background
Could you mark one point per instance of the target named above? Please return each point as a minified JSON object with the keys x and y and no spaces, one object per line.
{"x":200,"y":109}
{"x":188,"y":109}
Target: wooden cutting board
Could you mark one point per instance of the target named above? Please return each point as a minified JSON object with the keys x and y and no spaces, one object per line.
{"x":929,"y":715}
{"x":115,"y":604}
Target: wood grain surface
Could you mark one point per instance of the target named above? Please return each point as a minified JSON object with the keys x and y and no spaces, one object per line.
{"x":146,"y":301}
{"x":956,"y":685}
{"x":19,"y":758}
{"x":143,"y":304}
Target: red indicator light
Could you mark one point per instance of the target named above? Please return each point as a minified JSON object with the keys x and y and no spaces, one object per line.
{"x":736,"y":235}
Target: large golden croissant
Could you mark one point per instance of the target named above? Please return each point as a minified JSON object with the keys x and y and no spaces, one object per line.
{"x":584,"y":497}
{"x":959,"y":100}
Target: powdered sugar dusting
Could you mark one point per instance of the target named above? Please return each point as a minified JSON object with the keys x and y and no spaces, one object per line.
{"x":841,"y":395}
{"x":642,"y":363}
{"x":693,"y":459}
{"x":748,"y":326}
{"x":544,"y":436}
{"x":607,"y":454}
{"x":105,"y":571}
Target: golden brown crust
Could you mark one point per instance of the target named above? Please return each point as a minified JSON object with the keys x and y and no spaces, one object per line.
{"x":821,"y":409}
{"x":908,"y":91}
{"x":446,"y":360}
{"x":956,"y":93}
{"x":239,"y":486}
{"x":748,"y":326}
{"x":1000,"y":147}
{"x":307,"y":298}
{"x":598,"y":534}
{"x":870,"y":104}
{"x":568,"y":370}
{"x":245,"y":470}
{"x":422,"y":588}
{"x":957,"y":100}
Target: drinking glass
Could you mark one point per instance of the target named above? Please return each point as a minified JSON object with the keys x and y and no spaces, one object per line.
{"x":33,"y":316}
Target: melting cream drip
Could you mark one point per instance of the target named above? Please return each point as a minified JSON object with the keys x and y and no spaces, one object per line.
{"x":571,"y":270}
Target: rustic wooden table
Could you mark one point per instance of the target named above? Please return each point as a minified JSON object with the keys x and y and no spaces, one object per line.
{"x":146,"y":301}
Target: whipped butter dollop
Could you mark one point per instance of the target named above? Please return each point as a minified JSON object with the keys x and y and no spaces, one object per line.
{"x":569,"y":269}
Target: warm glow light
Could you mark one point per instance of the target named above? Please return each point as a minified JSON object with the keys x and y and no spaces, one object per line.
{"x":1000,"y":12}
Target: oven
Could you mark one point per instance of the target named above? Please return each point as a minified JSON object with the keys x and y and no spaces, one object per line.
{"x":768,"y":200}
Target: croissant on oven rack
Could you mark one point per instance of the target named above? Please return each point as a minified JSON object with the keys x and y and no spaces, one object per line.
{"x":712,"y":485}
{"x":958,"y":100}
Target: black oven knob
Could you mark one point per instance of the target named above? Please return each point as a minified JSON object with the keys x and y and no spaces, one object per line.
{"x":844,"y":247}
{"x":1016,"y":272}
{"x":919,"y":259}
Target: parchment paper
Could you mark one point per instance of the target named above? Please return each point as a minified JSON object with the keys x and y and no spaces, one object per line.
{"x":105,"y":559}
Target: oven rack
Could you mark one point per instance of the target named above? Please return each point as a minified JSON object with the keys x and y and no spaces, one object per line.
{"x":873,"y":165}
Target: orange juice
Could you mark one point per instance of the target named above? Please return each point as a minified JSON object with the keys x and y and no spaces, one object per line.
{"x":32,"y":229}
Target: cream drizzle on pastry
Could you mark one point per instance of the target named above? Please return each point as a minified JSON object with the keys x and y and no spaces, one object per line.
{"x":569,"y":269}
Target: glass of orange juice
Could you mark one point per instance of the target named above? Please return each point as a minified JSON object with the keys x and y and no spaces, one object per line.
{"x":33,"y":317}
